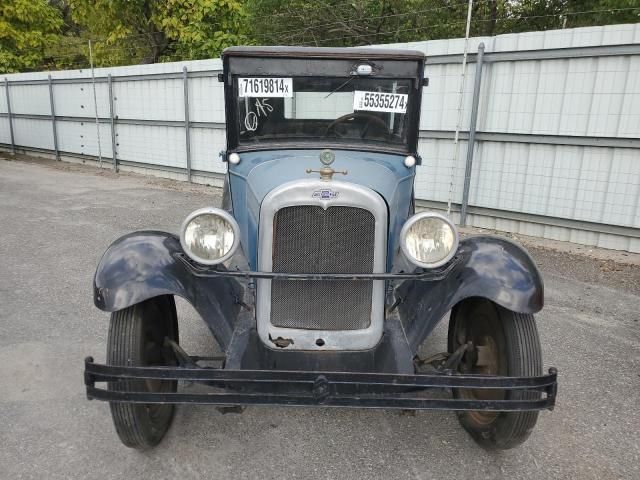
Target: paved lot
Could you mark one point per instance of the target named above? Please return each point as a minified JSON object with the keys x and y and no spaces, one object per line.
{"x":55,"y":222}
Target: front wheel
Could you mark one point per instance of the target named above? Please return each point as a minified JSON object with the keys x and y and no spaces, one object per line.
{"x":136,"y":339}
{"x":504,"y":343}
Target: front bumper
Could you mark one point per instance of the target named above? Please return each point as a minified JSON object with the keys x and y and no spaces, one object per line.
{"x":322,"y":389}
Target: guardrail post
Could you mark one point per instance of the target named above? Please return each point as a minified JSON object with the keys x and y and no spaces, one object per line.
{"x":472,"y":135}
{"x":53,"y":119}
{"x":185,"y":81}
{"x":13,"y":143}
{"x":114,"y":155}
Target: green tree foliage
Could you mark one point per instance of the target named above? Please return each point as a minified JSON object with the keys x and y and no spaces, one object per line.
{"x":202,"y":28}
{"x":358,"y":22}
{"x":365,"y":22}
{"x":122,"y":31}
{"x":601,"y":12}
{"x":27,"y":29}
{"x":41,"y":34}
{"x":535,"y":15}
{"x":149,"y":31}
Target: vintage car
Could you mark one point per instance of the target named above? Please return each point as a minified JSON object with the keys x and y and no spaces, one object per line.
{"x":316,"y":277}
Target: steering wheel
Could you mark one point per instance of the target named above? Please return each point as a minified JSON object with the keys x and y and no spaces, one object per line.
{"x":355,"y":116}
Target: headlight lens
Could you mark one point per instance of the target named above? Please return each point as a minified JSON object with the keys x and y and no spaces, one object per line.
{"x":209,"y":236}
{"x":429,"y":240}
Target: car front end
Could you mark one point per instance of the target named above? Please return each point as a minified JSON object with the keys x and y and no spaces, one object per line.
{"x":316,"y":277}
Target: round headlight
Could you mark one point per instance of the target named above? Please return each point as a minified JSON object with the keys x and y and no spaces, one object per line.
{"x":209,"y":236}
{"x":429,"y":239}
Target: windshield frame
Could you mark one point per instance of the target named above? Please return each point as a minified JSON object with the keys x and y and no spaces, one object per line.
{"x":337,"y":63}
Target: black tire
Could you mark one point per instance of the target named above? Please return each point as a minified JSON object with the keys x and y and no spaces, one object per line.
{"x":136,"y":338}
{"x":511,"y":347}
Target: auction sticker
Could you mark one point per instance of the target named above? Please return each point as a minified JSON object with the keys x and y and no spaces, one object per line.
{"x":380,"y":102}
{"x":265,"y":87}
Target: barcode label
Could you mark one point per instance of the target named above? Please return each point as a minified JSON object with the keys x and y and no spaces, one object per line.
{"x":265,"y":87}
{"x":380,"y":102}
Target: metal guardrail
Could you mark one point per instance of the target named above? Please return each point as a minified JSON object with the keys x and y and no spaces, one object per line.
{"x":571,"y":223}
{"x":480,"y":136}
{"x":121,"y":78}
{"x":542,"y":54}
{"x":538,"y":139}
{"x":122,"y":121}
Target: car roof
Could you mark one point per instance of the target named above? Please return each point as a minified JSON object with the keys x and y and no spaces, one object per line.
{"x":324,"y":52}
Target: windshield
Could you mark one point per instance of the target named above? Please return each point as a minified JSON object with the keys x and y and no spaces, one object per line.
{"x":335,"y":109}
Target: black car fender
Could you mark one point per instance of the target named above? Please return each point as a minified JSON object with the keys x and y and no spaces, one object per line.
{"x":488,"y":267}
{"x":142,"y":265}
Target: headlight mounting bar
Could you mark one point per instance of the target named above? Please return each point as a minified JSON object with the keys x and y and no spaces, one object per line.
{"x":423,"y":275}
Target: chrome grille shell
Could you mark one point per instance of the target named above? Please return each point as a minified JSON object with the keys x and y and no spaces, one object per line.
{"x":354,"y":330}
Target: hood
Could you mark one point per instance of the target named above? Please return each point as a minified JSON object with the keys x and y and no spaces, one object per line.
{"x":260,"y":172}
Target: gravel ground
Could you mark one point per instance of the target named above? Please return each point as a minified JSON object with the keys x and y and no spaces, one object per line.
{"x":58,"y":219}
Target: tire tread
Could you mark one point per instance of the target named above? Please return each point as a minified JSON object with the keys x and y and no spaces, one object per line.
{"x":524,"y":358}
{"x":124,"y":339}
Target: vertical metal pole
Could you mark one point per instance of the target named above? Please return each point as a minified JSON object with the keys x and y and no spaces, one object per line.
{"x":472,"y":135}
{"x":13,"y":142}
{"x":185,"y":81}
{"x":463,"y":83}
{"x":114,"y":155}
{"x":53,"y":119}
{"x":95,"y":104}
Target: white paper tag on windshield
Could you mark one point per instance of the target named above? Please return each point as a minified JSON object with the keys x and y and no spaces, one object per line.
{"x":265,"y":87}
{"x":380,"y":102}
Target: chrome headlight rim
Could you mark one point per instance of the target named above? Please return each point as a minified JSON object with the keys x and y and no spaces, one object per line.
{"x":220,"y":213}
{"x":417,"y":217}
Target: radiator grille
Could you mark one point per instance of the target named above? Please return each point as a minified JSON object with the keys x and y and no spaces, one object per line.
{"x":309,"y":239}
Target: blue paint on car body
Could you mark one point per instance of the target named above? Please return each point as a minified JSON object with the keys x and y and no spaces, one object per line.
{"x":259,"y":172}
